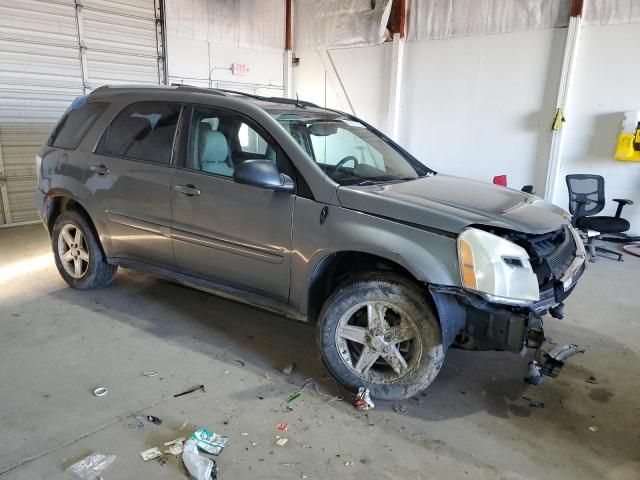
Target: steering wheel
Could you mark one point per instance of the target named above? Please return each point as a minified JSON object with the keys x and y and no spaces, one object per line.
{"x":341,"y":163}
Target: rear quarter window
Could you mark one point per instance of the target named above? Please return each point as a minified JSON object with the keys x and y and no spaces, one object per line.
{"x":142,"y":131}
{"x":75,"y":124}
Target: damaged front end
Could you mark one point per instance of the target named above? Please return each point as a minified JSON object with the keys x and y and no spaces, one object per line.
{"x":471,"y":320}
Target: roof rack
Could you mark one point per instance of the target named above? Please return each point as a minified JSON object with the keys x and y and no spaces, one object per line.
{"x":222,"y":91}
{"x":214,"y":91}
{"x":289,"y":101}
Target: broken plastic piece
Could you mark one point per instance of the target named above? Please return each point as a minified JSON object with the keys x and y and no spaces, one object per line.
{"x":100,"y":391}
{"x":151,"y":454}
{"x":176,"y":446}
{"x":592,"y":380}
{"x":362,"y":401}
{"x":283,"y":427}
{"x":154,"y":420}
{"x":90,"y":468}
{"x":593,"y":428}
{"x":139,"y":422}
{"x":534,"y":374}
{"x":554,"y":360}
{"x":150,"y":373}
{"x":208,"y":441}
{"x":201,"y":468}
{"x":173,"y":442}
{"x":281,"y":442}
{"x":536,"y":404}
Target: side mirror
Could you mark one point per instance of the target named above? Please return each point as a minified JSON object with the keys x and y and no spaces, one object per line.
{"x":264,"y":174}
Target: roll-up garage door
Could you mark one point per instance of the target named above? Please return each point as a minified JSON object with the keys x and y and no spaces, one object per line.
{"x":52,"y":51}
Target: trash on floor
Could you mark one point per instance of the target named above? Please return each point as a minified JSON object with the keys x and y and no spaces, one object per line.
{"x":536,"y":404}
{"x":593,"y":428}
{"x":100,"y":391}
{"x":293,"y":396}
{"x":195,"y":388}
{"x":554,"y":360}
{"x":281,"y":442}
{"x":208,"y":441}
{"x":176,"y":446}
{"x":327,"y":398}
{"x":154,"y":420}
{"x":138,"y":423}
{"x":288,"y":369}
{"x":173,"y":442}
{"x":283,"y":427}
{"x":400,"y":409}
{"x":362,"y":401}
{"x":199,"y":467}
{"x":151,"y":454}
{"x":90,"y":467}
{"x":534,"y":374}
{"x":149,"y":373}
{"x":592,"y":380}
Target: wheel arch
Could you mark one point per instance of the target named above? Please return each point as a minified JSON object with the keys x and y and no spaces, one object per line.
{"x":338,"y":267}
{"x":59,"y":202}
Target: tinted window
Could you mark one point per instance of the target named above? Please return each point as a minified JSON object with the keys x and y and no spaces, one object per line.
{"x":142,"y":131}
{"x":220,"y":140}
{"x":75,"y":123}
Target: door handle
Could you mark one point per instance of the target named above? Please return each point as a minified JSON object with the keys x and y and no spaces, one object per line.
{"x":100,"y":169}
{"x":188,"y":190}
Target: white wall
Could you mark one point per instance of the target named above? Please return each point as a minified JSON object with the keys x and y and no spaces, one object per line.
{"x":204,"y":37}
{"x":194,"y":62}
{"x":482,"y":106}
{"x":606,"y":83}
{"x":472,"y":106}
{"x":363,"y":72}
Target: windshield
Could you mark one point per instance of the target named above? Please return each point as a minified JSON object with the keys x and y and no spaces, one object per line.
{"x":346,"y":150}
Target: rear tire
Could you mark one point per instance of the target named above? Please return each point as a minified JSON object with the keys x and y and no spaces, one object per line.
{"x":78,"y":254}
{"x":394,"y":358}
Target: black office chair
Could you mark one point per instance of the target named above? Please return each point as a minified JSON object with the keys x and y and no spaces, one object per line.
{"x":586,"y":198}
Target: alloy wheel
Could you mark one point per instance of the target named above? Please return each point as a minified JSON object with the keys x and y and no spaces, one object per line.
{"x":73,"y":251}
{"x":378,"y":341}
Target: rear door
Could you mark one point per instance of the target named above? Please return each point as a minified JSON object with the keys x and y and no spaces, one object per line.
{"x":130,"y":179}
{"x":224,"y":231}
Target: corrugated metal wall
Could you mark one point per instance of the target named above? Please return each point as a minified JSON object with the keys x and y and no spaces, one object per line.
{"x":51,"y":52}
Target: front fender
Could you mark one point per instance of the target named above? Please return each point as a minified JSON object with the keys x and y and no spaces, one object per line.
{"x":430,"y":257}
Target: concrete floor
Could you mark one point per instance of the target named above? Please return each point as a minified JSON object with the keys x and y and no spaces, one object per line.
{"x":57,"y":344}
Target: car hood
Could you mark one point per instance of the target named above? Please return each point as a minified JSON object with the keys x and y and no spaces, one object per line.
{"x":451,"y":204}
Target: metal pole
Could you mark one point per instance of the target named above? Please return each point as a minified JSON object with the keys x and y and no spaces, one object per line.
{"x":564,"y":91}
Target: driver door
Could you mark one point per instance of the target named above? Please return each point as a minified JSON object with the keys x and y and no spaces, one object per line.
{"x":223,"y":231}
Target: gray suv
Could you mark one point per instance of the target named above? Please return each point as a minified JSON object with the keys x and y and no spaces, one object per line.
{"x":307,"y":212}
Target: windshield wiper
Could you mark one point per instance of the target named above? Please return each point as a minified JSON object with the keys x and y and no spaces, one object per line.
{"x":366,"y":182}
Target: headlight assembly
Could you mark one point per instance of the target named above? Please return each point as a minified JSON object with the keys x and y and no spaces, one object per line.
{"x":495,"y":268}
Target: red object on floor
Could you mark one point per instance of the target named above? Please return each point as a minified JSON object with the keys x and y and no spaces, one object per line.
{"x":500,"y":180}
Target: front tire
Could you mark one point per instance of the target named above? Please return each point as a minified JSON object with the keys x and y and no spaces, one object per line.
{"x":381,"y":334}
{"x":78,"y":254}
